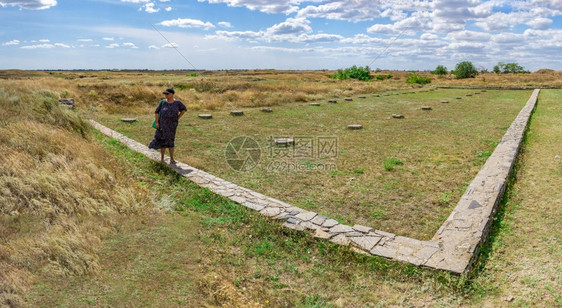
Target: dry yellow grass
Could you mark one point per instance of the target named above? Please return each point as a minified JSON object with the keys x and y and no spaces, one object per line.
{"x":59,"y":191}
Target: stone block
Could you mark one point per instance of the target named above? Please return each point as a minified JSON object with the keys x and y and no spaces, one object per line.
{"x":382,"y":251}
{"x":340,"y":239}
{"x":362,"y":229}
{"x":339,"y":228}
{"x":365,"y":242}
{"x":305,"y":216}
{"x":271,"y":211}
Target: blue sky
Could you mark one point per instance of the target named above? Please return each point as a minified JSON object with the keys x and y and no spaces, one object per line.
{"x":278,"y":34}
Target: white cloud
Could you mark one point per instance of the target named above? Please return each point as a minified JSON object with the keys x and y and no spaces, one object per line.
{"x":540,"y":23}
{"x":130,"y":45}
{"x":29,"y":4}
{"x":170,"y":45}
{"x":168,"y":9}
{"x":266,"y":6}
{"x":153,"y":47}
{"x":85,"y":40}
{"x":45,"y":46}
{"x":11,"y":43}
{"x":187,"y":23}
{"x":43,"y":41}
{"x":290,"y":26}
{"x":469,"y":36}
{"x":39,"y":46}
{"x":225,"y":24}
{"x":108,"y":39}
{"x":135,"y":1}
{"x":111,"y":46}
{"x":149,"y":8}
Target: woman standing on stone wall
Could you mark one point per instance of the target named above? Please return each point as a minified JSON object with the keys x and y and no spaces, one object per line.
{"x":167,"y":116}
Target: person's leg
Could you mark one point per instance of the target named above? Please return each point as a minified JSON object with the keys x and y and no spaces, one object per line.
{"x":162,"y":151}
{"x":171,"y":155}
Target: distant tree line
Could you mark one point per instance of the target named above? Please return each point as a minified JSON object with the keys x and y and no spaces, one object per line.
{"x":464,"y":69}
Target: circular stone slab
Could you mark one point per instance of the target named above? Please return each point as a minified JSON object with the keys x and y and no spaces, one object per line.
{"x":237,"y":112}
{"x":376,"y":95}
{"x":283,"y":141}
{"x":469,"y":94}
{"x":426,"y":108}
{"x":398,"y":116}
{"x":362,"y":96}
{"x":483,"y":90}
{"x":266,"y":110}
{"x":206,"y":116}
{"x":354,"y":126}
{"x":458,"y":97}
{"x":476,"y":93}
{"x":349,"y":99}
{"x":129,"y":120}
{"x":444,"y":101}
{"x":314,"y":104}
{"x":332,"y":101}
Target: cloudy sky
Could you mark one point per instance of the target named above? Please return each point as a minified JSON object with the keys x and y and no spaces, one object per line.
{"x":278,"y":34}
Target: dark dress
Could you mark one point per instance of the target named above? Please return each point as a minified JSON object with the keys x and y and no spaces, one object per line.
{"x":165,"y":136}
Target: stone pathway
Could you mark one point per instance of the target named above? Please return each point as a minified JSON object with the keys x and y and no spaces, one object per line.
{"x":453,"y":248}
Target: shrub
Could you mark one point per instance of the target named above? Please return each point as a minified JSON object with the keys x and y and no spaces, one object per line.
{"x":416,"y":78}
{"x":465,"y":69}
{"x":361,"y":73}
{"x":505,"y":68}
{"x":440,"y":70}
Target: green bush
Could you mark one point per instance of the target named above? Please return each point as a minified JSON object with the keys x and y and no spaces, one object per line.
{"x":465,"y":69}
{"x":440,"y":70}
{"x":506,"y":68}
{"x":416,"y":78}
{"x":361,"y":73}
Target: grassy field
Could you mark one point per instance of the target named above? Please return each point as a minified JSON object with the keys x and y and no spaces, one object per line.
{"x":393,"y":170}
{"x":86,"y":222}
{"x":246,"y":260}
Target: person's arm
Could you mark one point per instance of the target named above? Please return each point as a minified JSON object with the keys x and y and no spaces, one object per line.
{"x":181,"y":114}
{"x":157,"y":118}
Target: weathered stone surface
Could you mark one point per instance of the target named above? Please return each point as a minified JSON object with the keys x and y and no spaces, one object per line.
{"x":355,"y":126}
{"x":237,"y":112}
{"x":319,"y":219}
{"x":314,"y":104}
{"x":365,"y":242}
{"x":311,"y":226}
{"x":293,"y":226}
{"x":321,"y":234}
{"x":305,"y":216}
{"x":363,"y":229}
{"x":271,"y":211}
{"x":340,"y":239}
{"x":349,"y":99}
{"x":383,"y":251}
{"x":205,"y":116}
{"x":341,"y":229}
{"x":426,"y":108}
{"x":328,"y":223}
{"x":284,"y":141}
{"x":266,"y":110}
{"x":398,"y":116}
{"x":332,"y":101}
{"x":444,"y":101}
{"x":128,"y":120}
